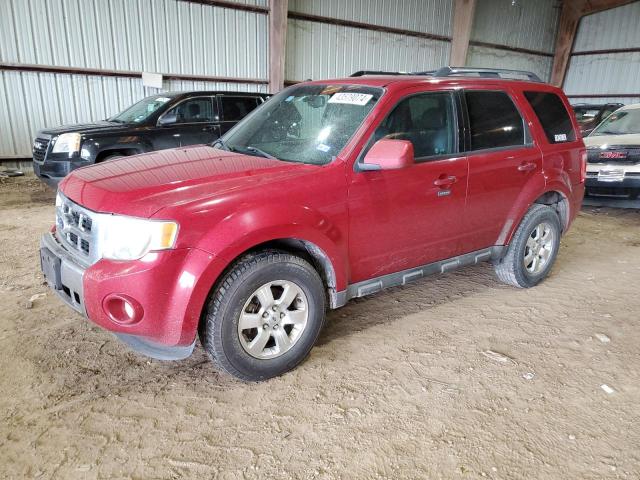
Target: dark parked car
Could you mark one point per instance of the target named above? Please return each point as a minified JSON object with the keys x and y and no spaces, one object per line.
{"x":589,"y":116}
{"x":166,"y":120}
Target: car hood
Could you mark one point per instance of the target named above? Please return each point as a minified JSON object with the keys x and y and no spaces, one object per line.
{"x":141,"y":185}
{"x":87,"y":128}
{"x":601,"y":140}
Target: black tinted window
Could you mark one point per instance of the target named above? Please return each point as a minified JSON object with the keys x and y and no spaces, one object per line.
{"x":195,"y":110}
{"x":426,"y":120}
{"x":553,"y":116}
{"x":495,"y":120}
{"x":236,"y":108}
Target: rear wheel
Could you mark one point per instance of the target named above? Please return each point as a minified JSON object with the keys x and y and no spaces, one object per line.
{"x":265,"y":315}
{"x":533,"y":248}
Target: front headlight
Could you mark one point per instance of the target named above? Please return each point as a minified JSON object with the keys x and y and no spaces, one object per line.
{"x":67,"y":143}
{"x":128,"y":238}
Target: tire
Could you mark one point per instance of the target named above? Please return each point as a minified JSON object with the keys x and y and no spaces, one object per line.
{"x":240,"y":351}
{"x":514,"y":269}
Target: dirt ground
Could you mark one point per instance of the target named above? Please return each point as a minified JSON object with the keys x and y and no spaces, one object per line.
{"x":402,"y":384}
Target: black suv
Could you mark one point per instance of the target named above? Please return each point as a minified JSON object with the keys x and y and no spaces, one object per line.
{"x":590,"y":115}
{"x":158,"y":122}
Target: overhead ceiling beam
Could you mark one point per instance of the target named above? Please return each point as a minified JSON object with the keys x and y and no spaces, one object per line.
{"x":572,"y":12}
{"x":277,"y":43}
{"x":462,"y":22}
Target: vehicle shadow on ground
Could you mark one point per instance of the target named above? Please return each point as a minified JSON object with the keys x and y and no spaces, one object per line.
{"x":397,"y":302}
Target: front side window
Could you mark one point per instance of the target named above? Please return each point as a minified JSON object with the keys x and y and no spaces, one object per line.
{"x":553,"y":116}
{"x":139,"y":112}
{"x":236,"y":108}
{"x":306,"y":123}
{"x":427,"y":120}
{"x":494,"y":120}
{"x":621,"y":122}
{"x":194,"y":110}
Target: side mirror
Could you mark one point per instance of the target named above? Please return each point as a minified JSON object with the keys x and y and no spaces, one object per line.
{"x":388,"y":155}
{"x":167,"y":119}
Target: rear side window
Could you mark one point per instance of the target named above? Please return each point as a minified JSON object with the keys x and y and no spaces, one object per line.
{"x":553,"y":116}
{"x":494,"y":120}
{"x":236,"y":108}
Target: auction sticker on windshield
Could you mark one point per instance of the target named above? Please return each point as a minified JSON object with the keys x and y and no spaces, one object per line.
{"x":351,"y":98}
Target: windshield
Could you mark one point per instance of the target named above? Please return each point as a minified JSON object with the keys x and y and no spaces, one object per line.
{"x":142,"y":110}
{"x":622,"y":122}
{"x":306,"y":124}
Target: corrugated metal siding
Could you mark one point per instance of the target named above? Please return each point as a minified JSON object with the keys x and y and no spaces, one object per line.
{"x":164,"y":36}
{"x":318,"y":50}
{"x":615,"y":28}
{"x":426,"y":16}
{"x":517,"y":23}
{"x":497,"y":58}
{"x":30,"y":101}
{"x":609,"y":73}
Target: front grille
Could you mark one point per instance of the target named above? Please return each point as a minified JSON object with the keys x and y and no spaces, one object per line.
{"x":594,"y":155}
{"x":75,"y":228}
{"x":40,"y":146}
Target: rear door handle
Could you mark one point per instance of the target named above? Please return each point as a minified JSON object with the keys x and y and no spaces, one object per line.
{"x":527,"y":167}
{"x":443,"y":180}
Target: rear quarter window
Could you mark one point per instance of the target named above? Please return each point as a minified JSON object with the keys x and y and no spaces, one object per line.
{"x":553,"y":116}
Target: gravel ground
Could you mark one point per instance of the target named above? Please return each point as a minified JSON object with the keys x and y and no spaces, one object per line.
{"x":456,"y":376}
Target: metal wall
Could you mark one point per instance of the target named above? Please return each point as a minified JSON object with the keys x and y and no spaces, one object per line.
{"x":163,"y":36}
{"x":527,"y":24}
{"x":322,"y":50}
{"x":606,"y":73}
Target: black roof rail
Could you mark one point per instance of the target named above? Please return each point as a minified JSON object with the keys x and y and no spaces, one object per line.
{"x":361,"y":73}
{"x":483,"y":72}
{"x":461,"y":72}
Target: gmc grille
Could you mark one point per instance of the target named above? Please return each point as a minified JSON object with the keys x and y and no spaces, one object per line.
{"x":632,"y":155}
{"x":40,"y":146}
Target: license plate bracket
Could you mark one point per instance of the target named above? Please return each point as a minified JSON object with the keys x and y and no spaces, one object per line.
{"x":611,"y":175}
{"x":50,"y":265}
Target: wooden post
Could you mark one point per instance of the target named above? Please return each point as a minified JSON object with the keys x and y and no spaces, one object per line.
{"x":277,"y":43}
{"x":572,"y":12}
{"x":462,"y":22}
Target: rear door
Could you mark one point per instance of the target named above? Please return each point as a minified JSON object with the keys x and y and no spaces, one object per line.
{"x":502,"y":159}
{"x":404,"y":218}
{"x":234,"y":108}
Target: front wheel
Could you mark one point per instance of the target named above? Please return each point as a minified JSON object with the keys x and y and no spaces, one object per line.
{"x":533,"y":248}
{"x":265,"y":315}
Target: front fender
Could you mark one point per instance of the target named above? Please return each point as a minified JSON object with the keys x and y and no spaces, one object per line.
{"x":247,"y":228}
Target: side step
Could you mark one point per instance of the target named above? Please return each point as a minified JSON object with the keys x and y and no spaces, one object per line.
{"x":374,"y":285}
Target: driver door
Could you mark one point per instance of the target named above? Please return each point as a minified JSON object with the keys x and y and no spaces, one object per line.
{"x":404,"y":218}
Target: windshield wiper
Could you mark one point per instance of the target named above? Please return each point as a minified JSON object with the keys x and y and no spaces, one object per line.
{"x":262,"y":153}
{"x":221,"y":145}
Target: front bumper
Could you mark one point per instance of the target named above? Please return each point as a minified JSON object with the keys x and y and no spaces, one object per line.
{"x":167,"y":328}
{"x":627,"y":185}
{"x":52,"y":170}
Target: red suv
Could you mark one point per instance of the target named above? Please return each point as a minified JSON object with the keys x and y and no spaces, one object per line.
{"x":330,"y":190}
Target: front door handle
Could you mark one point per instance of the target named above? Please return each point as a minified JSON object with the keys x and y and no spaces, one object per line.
{"x":527,"y":167}
{"x":445,"y":180}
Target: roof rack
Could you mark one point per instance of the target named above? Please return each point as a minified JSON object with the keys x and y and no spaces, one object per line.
{"x":361,"y":73}
{"x":486,"y":73}
{"x":462,"y":72}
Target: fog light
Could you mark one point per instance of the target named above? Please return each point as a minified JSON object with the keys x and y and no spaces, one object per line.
{"x":122,"y":309}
